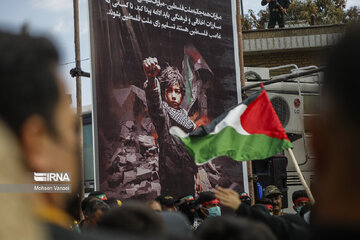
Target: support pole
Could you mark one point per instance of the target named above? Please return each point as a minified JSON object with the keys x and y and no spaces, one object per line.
{"x":307,"y":189}
{"x":78,"y":93}
{"x":240,"y":44}
{"x":242,"y":78}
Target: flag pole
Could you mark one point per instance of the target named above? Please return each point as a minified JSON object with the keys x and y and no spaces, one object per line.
{"x":78,"y":92}
{"x":307,"y":189}
{"x":242,"y":78}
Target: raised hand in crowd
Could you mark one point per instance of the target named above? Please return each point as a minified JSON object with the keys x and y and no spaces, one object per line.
{"x":228,"y":197}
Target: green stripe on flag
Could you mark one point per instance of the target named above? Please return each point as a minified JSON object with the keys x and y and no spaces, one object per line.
{"x":230,"y":143}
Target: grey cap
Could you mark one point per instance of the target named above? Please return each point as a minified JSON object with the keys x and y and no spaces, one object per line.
{"x":271,"y":190}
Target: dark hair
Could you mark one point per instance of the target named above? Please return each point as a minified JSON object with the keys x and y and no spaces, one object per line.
{"x":169,"y":76}
{"x":341,"y":78}
{"x":299,"y":193}
{"x":187,"y":208}
{"x":261,"y":207}
{"x":264,"y":201}
{"x":27,"y":79}
{"x":231,"y":228}
{"x":245,"y":199}
{"x":205,"y":197}
{"x":85,"y":202}
{"x":95,"y":204}
{"x":133,"y":217}
{"x":166,"y":200}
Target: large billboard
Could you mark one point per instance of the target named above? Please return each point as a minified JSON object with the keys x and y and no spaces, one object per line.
{"x":157,"y":64}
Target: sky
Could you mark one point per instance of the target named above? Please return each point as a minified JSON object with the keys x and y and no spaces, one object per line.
{"x":54,"y":19}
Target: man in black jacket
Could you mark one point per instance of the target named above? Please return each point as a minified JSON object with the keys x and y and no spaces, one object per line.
{"x":281,"y":227}
{"x":277,"y":11}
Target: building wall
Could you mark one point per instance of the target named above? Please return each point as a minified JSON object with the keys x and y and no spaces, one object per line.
{"x":302,"y":46}
{"x":301,"y":58}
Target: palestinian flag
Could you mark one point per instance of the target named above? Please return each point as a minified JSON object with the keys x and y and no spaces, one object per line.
{"x":248,"y":131}
{"x":193,"y":61}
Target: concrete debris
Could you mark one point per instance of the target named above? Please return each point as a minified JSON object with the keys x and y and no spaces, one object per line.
{"x":155,"y":175}
{"x":117,"y":153}
{"x":129,"y":176}
{"x":146,"y":141}
{"x":205,"y":183}
{"x":142,"y":194}
{"x":143,"y":174}
{"x":131,"y":158}
{"x":153,"y":150}
{"x":148,"y":166}
{"x":154,"y":161}
{"x":126,"y":168}
{"x":138,"y":156}
{"x":129,"y":149}
{"x":147,"y":124}
{"x":129,"y":124}
{"x":156,"y":186}
{"x":122,"y":160}
{"x":125,"y":132}
{"x":131,"y":191}
{"x":132,"y":161}
{"x":143,"y":184}
{"x":137,"y":164}
{"x":115,"y":180}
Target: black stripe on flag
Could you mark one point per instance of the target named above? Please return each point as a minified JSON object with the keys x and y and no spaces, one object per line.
{"x":205,"y":130}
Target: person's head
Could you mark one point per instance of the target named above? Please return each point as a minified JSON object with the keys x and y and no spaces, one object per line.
{"x":167,"y":203}
{"x":176,"y":225}
{"x":172,"y":86}
{"x":34,"y":105}
{"x":336,"y":134}
{"x":155,"y":205}
{"x":267,"y":203}
{"x":244,"y":197}
{"x":135,"y":218}
{"x":209,"y":205}
{"x":94,"y":211}
{"x":85,"y":202}
{"x":300,"y":199}
{"x":231,"y":228}
{"x":186,"y":205}
{"x":275,"y":195}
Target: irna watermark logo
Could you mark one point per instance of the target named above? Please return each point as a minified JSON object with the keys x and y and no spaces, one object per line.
{"x":52,"y":177}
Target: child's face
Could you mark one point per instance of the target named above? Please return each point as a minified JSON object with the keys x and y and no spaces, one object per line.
{"x":173,"y":96}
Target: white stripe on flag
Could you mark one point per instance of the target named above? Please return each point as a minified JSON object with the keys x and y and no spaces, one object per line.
{"x":232,"y":119}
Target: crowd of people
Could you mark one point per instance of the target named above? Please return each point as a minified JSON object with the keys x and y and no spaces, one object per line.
{"x":37,"y":122}
{"x":200,"y":217}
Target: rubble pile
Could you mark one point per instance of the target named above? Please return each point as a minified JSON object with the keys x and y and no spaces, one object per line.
{"x":131,"y":162}
{"x":133,"y":168}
